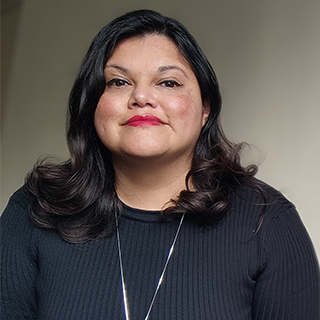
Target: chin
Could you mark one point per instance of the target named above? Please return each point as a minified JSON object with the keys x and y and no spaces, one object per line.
{"x":146,"y":154}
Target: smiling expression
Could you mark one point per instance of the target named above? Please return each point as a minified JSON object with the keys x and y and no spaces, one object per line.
{"x":152,"y":105}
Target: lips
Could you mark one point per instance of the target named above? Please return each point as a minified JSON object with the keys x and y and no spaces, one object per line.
{"x":144,"y":121}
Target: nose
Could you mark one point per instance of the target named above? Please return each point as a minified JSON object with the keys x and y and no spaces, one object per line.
{"x":142,"y":96}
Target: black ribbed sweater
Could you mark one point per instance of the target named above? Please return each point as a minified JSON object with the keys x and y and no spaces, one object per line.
{"x":222,"y":271}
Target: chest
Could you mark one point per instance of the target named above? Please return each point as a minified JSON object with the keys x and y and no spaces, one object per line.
{"x":207,"y":277}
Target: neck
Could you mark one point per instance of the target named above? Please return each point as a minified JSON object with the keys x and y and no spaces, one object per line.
{"x":149,"y":184}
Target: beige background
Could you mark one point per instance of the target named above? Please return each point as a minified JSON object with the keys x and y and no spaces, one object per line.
{"x":266,"y":55}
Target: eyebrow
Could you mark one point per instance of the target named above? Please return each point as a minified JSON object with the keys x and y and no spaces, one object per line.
{"x":160,"y":69}
{"x":166,"y":68}
{"x":117,"y":67}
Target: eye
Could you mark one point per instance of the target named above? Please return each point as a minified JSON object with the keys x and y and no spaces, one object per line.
{"x":170,"y":84}
{"x":117,"y":82}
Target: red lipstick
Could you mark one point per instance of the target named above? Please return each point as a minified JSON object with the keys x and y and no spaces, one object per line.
{"x":144,"y":121}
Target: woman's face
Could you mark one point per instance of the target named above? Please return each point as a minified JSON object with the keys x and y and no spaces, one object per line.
{"x":151,"y":106}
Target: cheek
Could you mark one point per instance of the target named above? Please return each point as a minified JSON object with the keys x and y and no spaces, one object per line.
{"x":187,"y":109}
{"x":102,"y":116}
{"x":105,"y":112}
{"x":105,"y":121}
{"x":104,"y":108}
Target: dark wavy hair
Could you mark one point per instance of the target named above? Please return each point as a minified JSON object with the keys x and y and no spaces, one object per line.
{"x":77,"y":198}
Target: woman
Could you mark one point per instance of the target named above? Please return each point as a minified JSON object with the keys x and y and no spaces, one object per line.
{"x":153,"y":216}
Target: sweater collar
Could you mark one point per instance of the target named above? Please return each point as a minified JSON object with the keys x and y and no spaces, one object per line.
{"x":141,"y":215}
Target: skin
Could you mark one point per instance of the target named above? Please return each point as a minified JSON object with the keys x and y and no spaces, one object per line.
{"x":149,"y":76}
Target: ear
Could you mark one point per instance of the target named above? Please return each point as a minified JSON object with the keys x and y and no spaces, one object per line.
{"x":205,"y":112}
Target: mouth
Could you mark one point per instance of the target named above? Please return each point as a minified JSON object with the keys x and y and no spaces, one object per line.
{"x":145,"y":120}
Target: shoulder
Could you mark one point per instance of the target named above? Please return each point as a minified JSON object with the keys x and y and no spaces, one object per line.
{"x":254,"y":206}
{"x":261,"y":196}
{"x":18,"y":258}
{"x":283,"y":265}
{"x":20,"y":198}
{"x":15,"y":218}
{"x":276,"y":225}
{"x":279,"y":226}
{"x":19,"y":201}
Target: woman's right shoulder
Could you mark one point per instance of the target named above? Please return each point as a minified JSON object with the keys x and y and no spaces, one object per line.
{"x":17,"y":210}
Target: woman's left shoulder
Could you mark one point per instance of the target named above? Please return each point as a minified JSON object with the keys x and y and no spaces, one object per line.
{"x":256,"y":205}
{"x":263,"y":197}
{"x":276,"y":217}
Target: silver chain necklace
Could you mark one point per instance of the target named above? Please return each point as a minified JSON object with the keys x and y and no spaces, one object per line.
{"x":124,"y":292}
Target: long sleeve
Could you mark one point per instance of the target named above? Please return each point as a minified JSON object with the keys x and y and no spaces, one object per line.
{"x":18,"y":268}
{"x":288,"y":284}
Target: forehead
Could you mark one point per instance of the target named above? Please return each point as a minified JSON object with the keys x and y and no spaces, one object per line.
{"x":152,"y":49}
